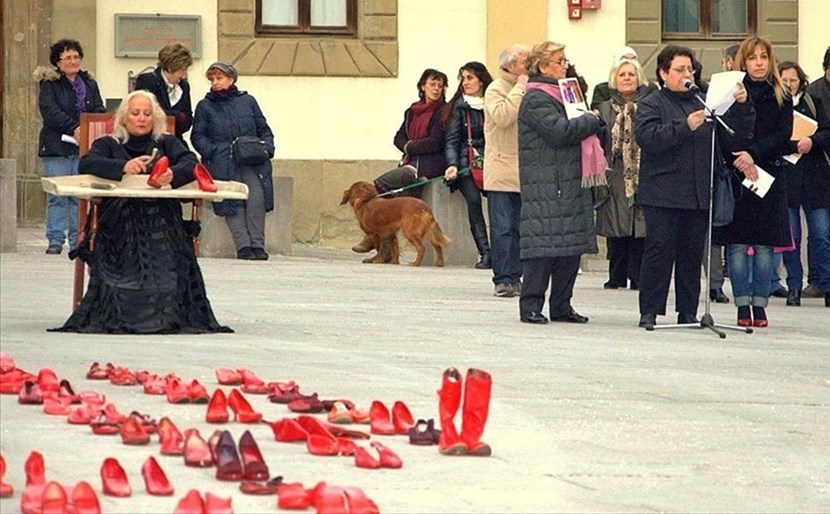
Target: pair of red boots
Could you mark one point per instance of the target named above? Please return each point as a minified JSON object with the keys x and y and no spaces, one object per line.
{"x":477,"y":387}
{"x":200,"y":173}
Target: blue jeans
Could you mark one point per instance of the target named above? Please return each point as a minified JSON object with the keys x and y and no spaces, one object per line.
{"x":504,"y":210}
{"x":750,"y":277}
{"x":818,"y":244}
{"x":61,"y":211}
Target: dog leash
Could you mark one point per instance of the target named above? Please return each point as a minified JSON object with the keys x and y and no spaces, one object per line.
{"x":462,"y":171}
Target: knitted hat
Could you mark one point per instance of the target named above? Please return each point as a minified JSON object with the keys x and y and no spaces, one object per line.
{"x":225,"y":68}
{"x":621,"y":52}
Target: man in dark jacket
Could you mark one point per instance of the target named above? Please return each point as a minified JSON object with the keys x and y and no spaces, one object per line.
{"x":674,"y":186}
{"x":65,"y":92}
{"x":170,"y":86}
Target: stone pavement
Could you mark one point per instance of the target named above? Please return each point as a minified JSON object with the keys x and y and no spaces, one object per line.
{"x":600,"y":417}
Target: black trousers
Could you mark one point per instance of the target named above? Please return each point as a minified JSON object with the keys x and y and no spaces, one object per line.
{"x":560,"y":272}
{"x":675,"y":239}
{"x":625,"y":257}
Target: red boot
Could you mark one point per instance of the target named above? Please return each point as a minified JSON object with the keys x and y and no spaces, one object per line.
{"x":474,"y":416}
{"x":449,"y":400}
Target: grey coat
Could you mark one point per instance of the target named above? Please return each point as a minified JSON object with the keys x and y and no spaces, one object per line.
{"x":557,"y":217}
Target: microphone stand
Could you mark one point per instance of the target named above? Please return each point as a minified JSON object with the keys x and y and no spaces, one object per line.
{"x":707,"y":321}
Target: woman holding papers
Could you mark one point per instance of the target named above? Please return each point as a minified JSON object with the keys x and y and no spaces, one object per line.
{"x":808,"y":184}
{"x":761,"y":222}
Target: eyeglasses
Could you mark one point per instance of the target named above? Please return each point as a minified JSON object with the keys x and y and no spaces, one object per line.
{"x":562,"y":62}
{"x":686,"y":69}
{"x":71,"y":58}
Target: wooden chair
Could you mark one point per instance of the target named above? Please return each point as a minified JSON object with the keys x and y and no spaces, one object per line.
{"x":93,"y":126}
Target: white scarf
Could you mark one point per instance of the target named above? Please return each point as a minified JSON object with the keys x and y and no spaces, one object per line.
{"x":174,"y":91}
{"x":475,"y":102}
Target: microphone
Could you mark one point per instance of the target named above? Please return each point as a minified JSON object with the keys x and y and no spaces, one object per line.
{"x":690,"y":85}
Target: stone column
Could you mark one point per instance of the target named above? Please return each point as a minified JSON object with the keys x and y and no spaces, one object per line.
{"x":8,"y":205}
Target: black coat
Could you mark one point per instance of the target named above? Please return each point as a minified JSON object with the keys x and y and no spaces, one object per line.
{"x":60,"y":114}
{"x":455,"y":147}
{"x":217,"y":123}
{"x":182,"y":112}
{"x":427,"y":153}
{"x":809,"y":178}
{"x":763,"y":221}
{"x":675,"y":162}
{"x":557,"y":217}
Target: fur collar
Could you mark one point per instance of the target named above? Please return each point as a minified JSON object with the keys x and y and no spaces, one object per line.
{"x":51,"y":74}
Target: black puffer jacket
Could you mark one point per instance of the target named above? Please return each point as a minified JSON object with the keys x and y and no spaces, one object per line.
{"x":182,"y":112}
{"x":455,"y":148}
{"x":557,"y":217}
{"x":427,"y":153}
{"x":217,"y":122}
{"x":809,"y":179}
{"x":59,"y":112}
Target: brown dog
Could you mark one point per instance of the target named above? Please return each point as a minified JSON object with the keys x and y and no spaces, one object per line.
{"x":380,"y":219}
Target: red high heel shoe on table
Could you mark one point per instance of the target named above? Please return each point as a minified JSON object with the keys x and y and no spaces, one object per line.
{"x":242,"y":411}
{"x":155,"y":480}
{"x":6,"y":490}
{"x":217,"y":409}
{"x":161,"y":165}
{"x":113,"y":479}
{"x":228,"y":465}
{"x":253,"y":465}
{"x":84,"y":500}
{"x":203,"y":178}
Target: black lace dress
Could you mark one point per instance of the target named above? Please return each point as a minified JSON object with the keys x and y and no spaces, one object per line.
{"x":145,"y":278}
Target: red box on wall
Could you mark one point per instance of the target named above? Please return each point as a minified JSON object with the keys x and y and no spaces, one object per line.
{"x":591,"y":4}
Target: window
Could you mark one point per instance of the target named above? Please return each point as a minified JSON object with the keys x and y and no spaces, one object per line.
{"x":709,"y":19}
{"x":307,"y":17}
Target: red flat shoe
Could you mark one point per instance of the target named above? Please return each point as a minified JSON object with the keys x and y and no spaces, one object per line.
{"x":196,"y":451}
{"x":313,"y":425}
{"x":242,"y":411}
{"x":228,"y":465}
{"x":12,"y":381}
{"x":380,"y":419}
{"x":155,"y":385}
{"x":6,"y":490}
{"x":227,"y":376}
{"x":388,"y":458}
{"x":250,"y":378}
{"x":56,"y":405}
{"x":48,"y":381}
{"x":65,"y":391}
{"x":217,"y":409}
{"x":285,"y":396}
{"x":35,"y":469}
{"x":132,"y":433}
{"x":288,"y":430}
{"x":161,"y":165}
{"x":363,"y":459}
{"x":346,"y":447}
{"x":203,"y":178}
{"x":322,"y":446}
{"x":258,"y":488}
{"x":96,"y":372}
{"x":253,"y":464}
{"x":155,"y":481}
{"x":122,"y":377}
{"x":197,"y":393}
{"x":294,"y":496}
{"x":147,"y":423}
{"x":401,"y":418}
{"x":177,"y":392}
{"x":54,"y":499}
{"x":217,"y":505}
{"x":103,"y":425}
{"x":114,"y":479}
{"x":191,"y":503}
{"x":308,"y":405}
{"x":84,"y":500}
{"x":81,"y":415}
{"x":92,"y":399}
{"x":340,"y":414}
{"x":30,"y":394}
{"x":113,"y":415}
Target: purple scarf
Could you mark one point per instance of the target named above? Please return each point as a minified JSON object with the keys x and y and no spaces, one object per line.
{"x":593,"y":157}
{"x":80,"y":92}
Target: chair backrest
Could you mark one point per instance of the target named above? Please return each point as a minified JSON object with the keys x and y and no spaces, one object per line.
{"x":95,"y":125}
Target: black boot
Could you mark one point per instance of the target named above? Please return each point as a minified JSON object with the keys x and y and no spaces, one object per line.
{"x":794,"y":298}
{"x":479,"y":232}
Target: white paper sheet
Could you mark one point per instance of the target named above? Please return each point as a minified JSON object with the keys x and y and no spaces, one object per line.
{"x":722,"y":87}
{"x":761,"y":186}
{"x":69,"y":139}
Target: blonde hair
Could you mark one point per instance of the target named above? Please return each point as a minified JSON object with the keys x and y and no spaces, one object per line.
{"x":773,"y":77}
{"x":612,"y":76}
{"x":540,"y":55}
{"x":119,"y":129}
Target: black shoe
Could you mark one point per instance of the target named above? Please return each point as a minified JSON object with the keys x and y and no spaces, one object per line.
{"x":484,"y":262}
{"x":246,"y":254}
{"x":54,"y":249}
{"x":827,"y":300}
{"x":717,"y":296}
{"x":571,"y":317}
{"x":794,"y":298}
{"x":535,"y":317}
{"x":611,"y":285}
{"x":779,"y":293}
{"x":260,"y":254}
{"x":647,"y":321}
{"x":685,"y":319}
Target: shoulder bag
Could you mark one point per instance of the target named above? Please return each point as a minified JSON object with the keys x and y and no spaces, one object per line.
{"x":249,"y":151}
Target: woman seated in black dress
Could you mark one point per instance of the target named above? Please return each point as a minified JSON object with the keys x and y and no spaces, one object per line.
{"x":145,"y":279}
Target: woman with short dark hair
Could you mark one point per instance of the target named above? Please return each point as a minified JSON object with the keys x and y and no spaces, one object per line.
{"x":169,"y":83}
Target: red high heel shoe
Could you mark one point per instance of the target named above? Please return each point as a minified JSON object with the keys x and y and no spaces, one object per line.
{"x":35,"y":469}
{"x":217,"y":409}
{"x":6,"y":490}
{"x":288,"y":430}
{"x":101,"y":424}
{"x":170,"y":438}
{"x":203,"y":178}
{"x":113,"y":415}
{"x":253,"y":464}
{"x":213,"y":442}
{"x":56,"y":405}
{"x":380,"y":419}
{"x":363,"y":459}
{"x":228,"y":465}
{"x":155,"y":481}
{"x":96,"y":372}
{"x":122,"y":377}
{"x":159,"y":168}
{"x":388,"y":458}
{"x":177,"y":392}
{"x":242,"y":410}
{"x":84,"y":500}
{"x":132,"y":433}
{"x":191,"y":503}
{"x":217,"y":505}
{"x":114,"y":479}
{"x":48,"y":381}
{"x":54,"y":499}
{"x":227,"y":376}
{"x":196,"y":451}
{"x":197,"y":393}
{"x":322,"y":445}
{"x":401,"y":418}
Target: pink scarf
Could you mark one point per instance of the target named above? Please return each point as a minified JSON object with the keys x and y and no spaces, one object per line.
{"x":593,"y":157}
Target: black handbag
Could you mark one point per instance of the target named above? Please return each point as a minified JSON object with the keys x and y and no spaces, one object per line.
{"x":723,"y":195}
{"x":249,"y":151}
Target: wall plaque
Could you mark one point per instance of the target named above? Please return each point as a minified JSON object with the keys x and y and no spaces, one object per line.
{"x":143,"y":35}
